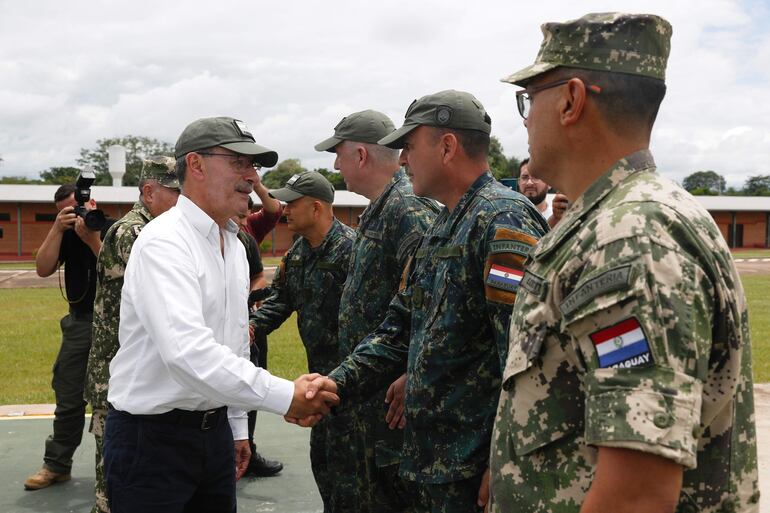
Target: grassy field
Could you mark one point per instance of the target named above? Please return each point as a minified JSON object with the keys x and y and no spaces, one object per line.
{"x":751,"y":253}
{"x":30,"y":337}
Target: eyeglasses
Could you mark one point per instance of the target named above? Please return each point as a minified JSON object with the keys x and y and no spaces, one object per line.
{"x":237,"y":161}
{"x":525,"y":179}
{"x":524,"y":97}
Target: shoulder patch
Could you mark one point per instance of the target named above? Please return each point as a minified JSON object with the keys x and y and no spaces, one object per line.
{"x":608,"y":281}
{"x":504,"y":268}
{"x":623,"y":345}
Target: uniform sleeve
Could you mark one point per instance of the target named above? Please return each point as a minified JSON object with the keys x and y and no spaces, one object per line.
{"x":380,"y":358}
{"x":412,"y":224}
{"x":276,"y":308}
{"x":503,"y":250}
{"x":639,"y":315}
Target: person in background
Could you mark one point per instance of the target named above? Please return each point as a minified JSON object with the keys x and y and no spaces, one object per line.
{"x":309,"y":282}
{"x":158,"y":192}
{"x":537,"y":191}
{"x":72,"y":243}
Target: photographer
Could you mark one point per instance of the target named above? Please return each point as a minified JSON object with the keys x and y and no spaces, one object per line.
{"x":72,"y":243}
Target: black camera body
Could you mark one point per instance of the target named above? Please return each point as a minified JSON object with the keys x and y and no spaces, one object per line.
{"x":94,"y":219}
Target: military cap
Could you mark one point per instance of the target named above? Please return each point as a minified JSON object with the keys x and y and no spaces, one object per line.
{"x":229,"y":133}
{"x":637,"y":44}
{"x":162,"y":169}
{"x":445,"y":109}
{"x":367,"y":126}
{"x":310,"y":183}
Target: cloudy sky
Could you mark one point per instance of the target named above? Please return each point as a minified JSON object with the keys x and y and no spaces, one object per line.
{"x":76,"y":71}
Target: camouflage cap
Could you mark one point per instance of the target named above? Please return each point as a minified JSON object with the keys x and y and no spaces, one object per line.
{"x":162,"y":169}
{"x":310,"y":183}
{"x":367,"y":126}
{"x":229,"y":133}
{"x":445,"y":109}
{"x":637,"y":44}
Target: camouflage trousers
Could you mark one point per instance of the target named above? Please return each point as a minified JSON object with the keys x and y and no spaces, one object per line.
{"x":101,"y":505}
{"x":359,"y":481}
{"x":455,"y":497}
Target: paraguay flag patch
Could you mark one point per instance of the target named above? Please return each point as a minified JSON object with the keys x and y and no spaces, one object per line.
{"x":505,"y":278}
{"x":622,"y":345}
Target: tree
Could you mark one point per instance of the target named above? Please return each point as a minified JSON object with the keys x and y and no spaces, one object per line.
{"x":334,"y":177}
{"x":277,"y":177}
{"x":18,"y":180}
{"x":60,"y":175}
{"x":137,"y":149}
{"x":704,"y":183}
{"x":500,"y":165}
{"x":757,"y":186}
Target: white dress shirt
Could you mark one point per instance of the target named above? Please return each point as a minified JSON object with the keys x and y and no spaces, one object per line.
{"x":184,"y":324}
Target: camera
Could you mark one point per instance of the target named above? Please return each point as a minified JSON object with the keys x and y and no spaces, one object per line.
{"x":94,"y":219}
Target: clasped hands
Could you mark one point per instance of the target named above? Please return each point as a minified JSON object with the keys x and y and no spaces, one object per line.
{"x":314,"y":396}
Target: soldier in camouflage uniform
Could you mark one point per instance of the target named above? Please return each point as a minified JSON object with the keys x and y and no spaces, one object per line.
{"x":448,"y":325}
{"x":159,"y":190}
{"x":628,"y":382}
{"x":364,"y":452}
{"x":309,"y":281}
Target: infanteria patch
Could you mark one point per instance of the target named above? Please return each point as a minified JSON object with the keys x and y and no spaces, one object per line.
{"x":608,"y":281}
{"x":505,"y":278}
{"x":623,"y":345}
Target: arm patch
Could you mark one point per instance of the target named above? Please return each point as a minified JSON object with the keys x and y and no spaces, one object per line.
{"x":504,"y":267}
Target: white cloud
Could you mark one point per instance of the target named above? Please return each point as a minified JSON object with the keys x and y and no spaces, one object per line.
{"x":74,"y":72}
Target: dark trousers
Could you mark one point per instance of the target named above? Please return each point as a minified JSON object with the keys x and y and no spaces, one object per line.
{"x":152,"y":466}
{"x":257,"y":356}
{"x":455,"y":497}
{"x":69,"y":375}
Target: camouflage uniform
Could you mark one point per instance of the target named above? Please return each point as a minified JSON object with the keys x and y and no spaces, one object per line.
{"x":635,"y":257}
{"x":630,"y":329}
{"x":388,"y":231}
{"x":449,"y":327}
{"x":309,"y":281}
{"x":110,"y":267}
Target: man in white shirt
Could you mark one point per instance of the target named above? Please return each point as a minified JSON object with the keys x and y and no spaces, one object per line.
{"x":536,"y":191}
{"x":183,"y":356}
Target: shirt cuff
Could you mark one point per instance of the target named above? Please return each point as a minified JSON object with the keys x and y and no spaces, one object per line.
{"x":280,"y":393}
{"x":240,"y":427}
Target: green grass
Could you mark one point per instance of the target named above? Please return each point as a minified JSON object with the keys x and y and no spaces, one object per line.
{"x":17,"y":265}
{"x":270,"y":261}
{"x":30,"y":338}
{"x":757,"y":288}
{"x":751,"y":253}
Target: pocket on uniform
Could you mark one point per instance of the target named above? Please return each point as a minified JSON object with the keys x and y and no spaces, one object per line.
{"x":546,"y":392}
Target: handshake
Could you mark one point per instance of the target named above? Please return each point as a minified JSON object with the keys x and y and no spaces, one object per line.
{"x":314,"y":396}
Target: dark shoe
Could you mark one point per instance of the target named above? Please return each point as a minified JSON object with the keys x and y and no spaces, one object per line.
{"x":260,"y":467}
{"x":44,"y":478}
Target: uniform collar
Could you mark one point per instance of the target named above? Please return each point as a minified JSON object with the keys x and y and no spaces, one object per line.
{"x":620,"y":171}
{"x":377,"y":204}
{"x":458,"y":212}
{"x":141,"y":209}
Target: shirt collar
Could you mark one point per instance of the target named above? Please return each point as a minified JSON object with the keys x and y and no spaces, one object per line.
{"x":200,"y":220}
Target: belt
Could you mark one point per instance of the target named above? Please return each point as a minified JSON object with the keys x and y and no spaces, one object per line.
{"x":203,"y":420}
